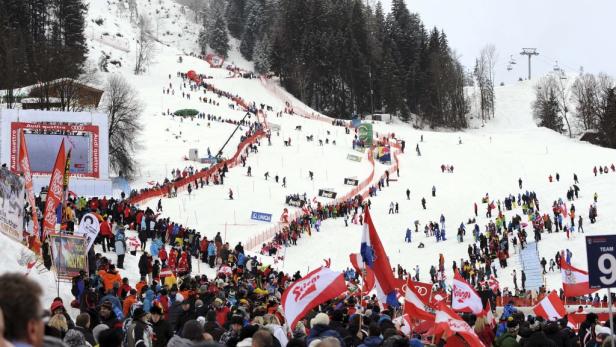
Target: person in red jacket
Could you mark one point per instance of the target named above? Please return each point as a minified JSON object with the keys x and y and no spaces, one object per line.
{"x":173,"y":257}
{"x":183,"y":264}
{"x":106,"y":234}
{"x":203,"y":249}
{"x":221,"y":312}
{"x":162,"y":255}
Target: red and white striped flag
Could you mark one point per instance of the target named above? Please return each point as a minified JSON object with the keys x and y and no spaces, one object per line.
{"x":448,"y":323}
{"x":464,"y":298}
{"x":551,"y":307}
{"x":413,"y":305}
{"x":309,"y":291}
{"x":575,"y":281}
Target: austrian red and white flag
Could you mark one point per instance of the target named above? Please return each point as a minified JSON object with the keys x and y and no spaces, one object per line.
{"x":413,"y":305}
{"x":366,"y":273}
{"x":24,"y":163}
{"x":464,"y":298}
{"x":309,"y":291}
{"x":551,"y":307}
{"x":575,"y":281}
{"x":448,"y":323}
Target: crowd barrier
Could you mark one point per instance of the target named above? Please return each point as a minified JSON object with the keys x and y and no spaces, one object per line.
{"x":180,"y":184}
{"x":256,"y":241}
{"x":529,"y":302}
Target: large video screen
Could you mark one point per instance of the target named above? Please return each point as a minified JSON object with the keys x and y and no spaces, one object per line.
{"x":43,"y":142}
{"x":43,"y":150}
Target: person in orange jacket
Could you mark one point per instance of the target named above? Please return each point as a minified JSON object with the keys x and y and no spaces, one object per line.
{"x":128,"y":302}
{"x":110,"y":277}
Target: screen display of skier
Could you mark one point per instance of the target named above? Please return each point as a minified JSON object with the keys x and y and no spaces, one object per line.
{"x":43,"y":150}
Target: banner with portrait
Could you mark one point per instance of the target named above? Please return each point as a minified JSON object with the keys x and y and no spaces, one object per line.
{"x":69,"y":254}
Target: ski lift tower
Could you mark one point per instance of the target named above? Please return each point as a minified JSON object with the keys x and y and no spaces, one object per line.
{"x":529,"y":52}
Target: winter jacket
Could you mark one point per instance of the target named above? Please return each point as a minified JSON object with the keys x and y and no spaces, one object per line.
{"x":211,"y":250}
{"x":321,"y":331}
{"x":506,"y":340}
{"x":109,"y":278}
{"x":156,"y":245}
{"x":148,"y":301}
{"x":177,"y":341}
{"x":174,"y":313}
{"x":163,"y":333}
{"x":143,"y":265}
{"x":120,"y":242}
{"x":538,"y":339}
{"x":184,"y":317}
{"x":214,"y":329}
{"x":372,"y":341}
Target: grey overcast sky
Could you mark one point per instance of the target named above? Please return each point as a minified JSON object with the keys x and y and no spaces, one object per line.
{"x":574,"y":32}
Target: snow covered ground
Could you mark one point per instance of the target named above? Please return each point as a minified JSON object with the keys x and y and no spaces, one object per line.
{"x":489,"y":160}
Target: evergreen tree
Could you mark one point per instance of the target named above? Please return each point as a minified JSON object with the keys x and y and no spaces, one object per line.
{"x":41,"y":40}
{"x":216,"y":31}
{"x":234,"y":15}
{"x":252,"y":27}
{"x":261,"y":55}
{"x":546,"y":110}
{"x":607,"y":123}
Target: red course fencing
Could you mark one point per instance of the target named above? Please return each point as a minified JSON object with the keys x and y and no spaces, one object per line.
{"x":154,"y":193}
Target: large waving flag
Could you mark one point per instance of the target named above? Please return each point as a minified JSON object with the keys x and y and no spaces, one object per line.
{"x":366,"y":273}
{"x":448,"y":323}
{"x":374,"y":256}
{"x":24,"y":163}
{"x":464,"y":297}
{"x":310,"y":291}
{"x":575,"y":281}
{"x":414,"y":306}
{"x":54,"y":193}
{"x":551,"y":307}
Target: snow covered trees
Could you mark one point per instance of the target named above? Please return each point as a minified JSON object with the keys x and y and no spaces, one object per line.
{"x":484,"y":75}
{"x":252,"y":27}
{"x":331,"y":54}
{"x":145,"y":46}
{"x":214,"y":33}
{"x":546,"y":107}
{"x":123,"y":110}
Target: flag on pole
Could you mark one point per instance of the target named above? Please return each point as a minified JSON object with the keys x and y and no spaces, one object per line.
{"x":374,"y":256}
{"x":366,"y":273}
{"x":464,"y":297}
{"x":551,"y":307}
{"x":413,"y":305}
{"x":310,"y":291}
{"x":575,"y":281}
{"x":55,"y":193}
{"x":24,"y":163}
{"x":448,"y":323}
